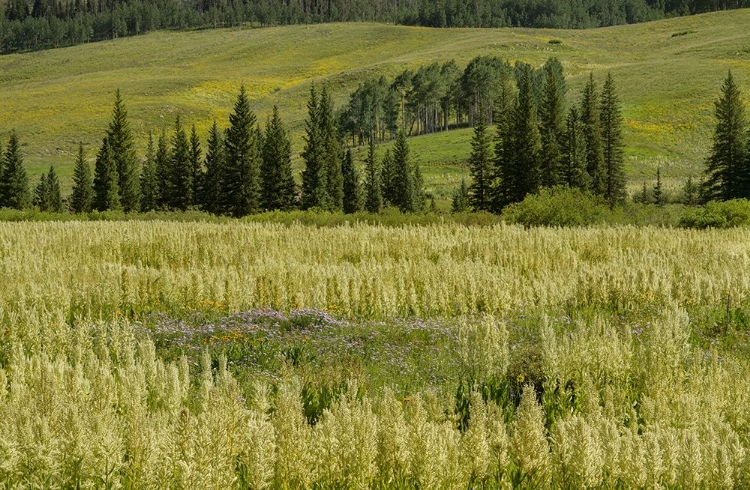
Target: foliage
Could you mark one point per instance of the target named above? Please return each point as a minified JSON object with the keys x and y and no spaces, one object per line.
{"x":727,"y":214}
{"x":557,"y":206}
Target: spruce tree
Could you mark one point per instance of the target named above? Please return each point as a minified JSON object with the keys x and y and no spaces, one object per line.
{"x":106,"y":190}
{"x":241,"y":182}
{"x":314,"y":176}
{"x":182,"y":171}
{"x":277,"y":181}
{"x":14,"y":183}
{"x":214,"y":171}
{"x":552,"y":127}
{"x":82,"y":199}
{"x":351,"y":199}
{"x":331,"y":151}
{"x":403,"y":190}
{"x":573,"y":165}
{"x":149,"y":179}
{"x":591,"y":121}
{"x":614,"y":189}
{"x":658,"y":191}
{"x":480,"y":166}
{"x":461,"y":198}
{"x":418,"y":196}
{"x":690,"y":192}
{"x":373,"y":190}
{"x":388,"y":179}
{"x":54,"y":196}
{"x":196,"y":167}
{"x":163,"y":169}
{"x":726,"y":174}
{"x":123,"y":151}
{"x":41,"y":194}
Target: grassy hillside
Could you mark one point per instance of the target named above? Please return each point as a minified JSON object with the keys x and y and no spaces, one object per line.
{"x":667,"y":82}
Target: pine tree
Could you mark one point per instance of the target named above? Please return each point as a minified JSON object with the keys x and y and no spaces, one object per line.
{"x":552,"y":128}
{"x":373,"y":190}
{"x":82,"y":199}
{"x":196,"y":167}
{"x":14,"y":183}
{"x":658,"y":192}
{"x":591,"y":121}
{"x":123,"y":152}
{"x":480,"y":166}
{"x":690,"y":192}
{"x":54,"y":196}
{"x":461,"y":198}
{"x":614,"y":189}
{"x":277,"y":181}
{"x":241,"y":183}
{"x":351,"y":199}
{"x":214,"y":171}
{"x":106,"y":190}
{"x":331,"y":150}
{"x":163,"y":168}
{"x":573,"y":165}
{"x":182,"y":171}
{"x":388,"y":179}
{"x":41,"y":194}
{"x":418,"y":196}
{"x":403,"y":189}
{"x":727,"y":165}
{"x":314,"y":176}
{"x":149,"y":179}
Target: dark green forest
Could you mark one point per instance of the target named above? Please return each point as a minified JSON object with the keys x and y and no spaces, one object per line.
{"x":40,"y":24}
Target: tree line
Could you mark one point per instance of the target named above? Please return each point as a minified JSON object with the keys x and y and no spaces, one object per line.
{"x":40,"y":24}
{"x":245,"y":169}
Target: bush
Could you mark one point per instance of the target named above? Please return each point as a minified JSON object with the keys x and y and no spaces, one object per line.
{"x":726,"y":214}
{"x":557,"y":206}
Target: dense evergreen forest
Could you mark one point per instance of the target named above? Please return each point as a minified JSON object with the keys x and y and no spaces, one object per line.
{"x":40,"y":24}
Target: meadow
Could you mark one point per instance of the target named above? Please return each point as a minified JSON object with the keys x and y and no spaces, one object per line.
{"x":257,"y":355}
{"x":668,"y":73}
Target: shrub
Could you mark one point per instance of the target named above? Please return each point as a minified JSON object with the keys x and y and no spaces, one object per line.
{"x":726,"y":214}
{"x":557,"y":206}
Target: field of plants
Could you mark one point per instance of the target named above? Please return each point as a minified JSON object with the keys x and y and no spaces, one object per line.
{"x":260,"y":355}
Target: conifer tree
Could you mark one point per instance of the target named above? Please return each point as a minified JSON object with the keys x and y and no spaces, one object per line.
{"x":726,"y":172}
{"x":241,"y":183}
{"x":373,"y":190}
{"x":122,"y":147}
{"x":196,"y":166}
{"x":351,"y":199}
{"x":106,"y":190}
{"x":519,"y":146}
{"x":82,"y":199}
{"x":419,"y":198}
{"x":54,"y":196}
{"x":403,"y":185}
{"x":573,"y":165}
{"x":331,"y":150}
{"x":690,"y":191}
{"x":591,"y":121}
{"x":14,"y":183}
{"x":277,"y":181}
{"x":214,"y":171}
{"x":41,"y":194}
{"x":314,"y":176}
{"x":552,"y":128}
{"x":480,"y":166}
{"x":149,"y":179}
{"x":614,"y":189}
{"x":163,"y":167}
{"x":182,"y":171}
{"x":658,"y":191}
{"x":388,"y":179}
{"x":461,"y":198}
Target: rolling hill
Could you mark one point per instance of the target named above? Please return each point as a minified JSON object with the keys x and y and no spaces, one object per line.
{"x":668,"y":73}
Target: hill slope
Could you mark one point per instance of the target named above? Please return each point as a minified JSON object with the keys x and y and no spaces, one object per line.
{"x":666,"y":82}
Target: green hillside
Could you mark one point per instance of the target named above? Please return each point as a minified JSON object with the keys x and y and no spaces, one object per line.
{"x":667,"y":72}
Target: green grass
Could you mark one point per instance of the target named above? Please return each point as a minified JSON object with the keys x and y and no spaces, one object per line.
{"x":666,"y":83}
